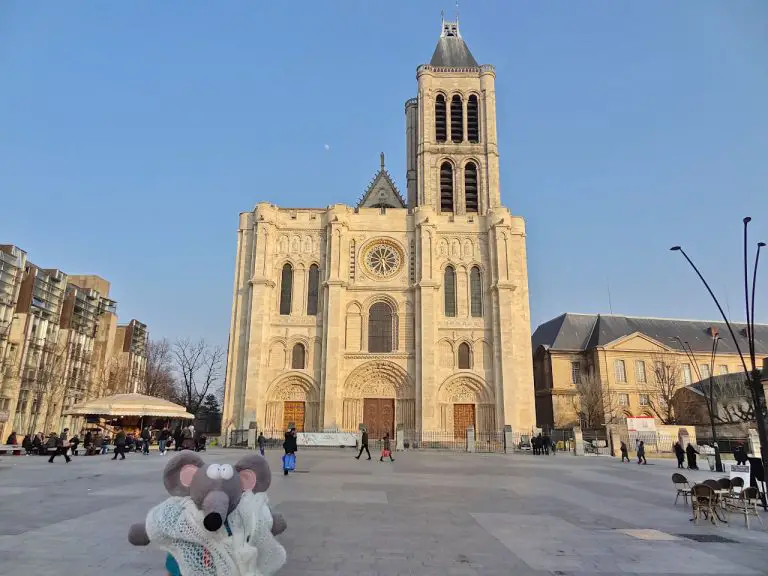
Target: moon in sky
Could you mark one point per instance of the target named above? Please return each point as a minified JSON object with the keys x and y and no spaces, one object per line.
{"x":327,"y":146}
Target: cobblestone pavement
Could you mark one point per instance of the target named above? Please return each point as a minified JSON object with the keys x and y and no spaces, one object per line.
{"x":425,"y":514}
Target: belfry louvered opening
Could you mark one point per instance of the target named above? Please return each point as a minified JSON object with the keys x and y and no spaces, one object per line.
{"x":473,"y":120}
{"x":457,"y":119}
{"x":446,"y":187}
{"x":470,"y":186}
{"x":441,"y":119}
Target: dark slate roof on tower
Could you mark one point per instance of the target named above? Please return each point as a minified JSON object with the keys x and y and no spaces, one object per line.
{"x":381,"y":192}
{"x":451,"y":50}
{"x":585,"y":331}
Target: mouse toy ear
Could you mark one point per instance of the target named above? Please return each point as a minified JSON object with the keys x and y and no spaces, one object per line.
{"x":254,"y":472}
{"x":179,"y":472}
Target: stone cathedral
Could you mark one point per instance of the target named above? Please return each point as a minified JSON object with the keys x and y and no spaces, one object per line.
{"x":407,"y":312}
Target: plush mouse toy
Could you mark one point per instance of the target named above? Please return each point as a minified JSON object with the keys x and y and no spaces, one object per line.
{"x":217,"y":521}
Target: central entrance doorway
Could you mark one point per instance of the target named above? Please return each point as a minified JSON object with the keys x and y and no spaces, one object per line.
{"x":293,"y":413}
{"x":379,"y":416}
{"x":463,"y":418}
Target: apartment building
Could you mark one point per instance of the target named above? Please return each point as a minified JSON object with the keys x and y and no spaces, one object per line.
{"x":60,"y":344}
{"x":130,"y":353}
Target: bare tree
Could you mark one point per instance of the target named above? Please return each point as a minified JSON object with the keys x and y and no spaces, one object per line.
{"x":49,"y":383}
{"x":159,"y":381}
{"x":730,"y":400}
{"x":198,"y":366}
{"x":663,"y":386}
{"x":594,"y":403}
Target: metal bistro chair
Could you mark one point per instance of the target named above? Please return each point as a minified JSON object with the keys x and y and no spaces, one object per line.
{"x":703,"y":501}
{"x":746,"y":504}
{"x":682,"y":486}
{"x":737,"y":485}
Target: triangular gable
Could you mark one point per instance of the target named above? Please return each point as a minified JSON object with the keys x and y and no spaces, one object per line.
{"x":637,"y":341}
{"x":381,"y":192}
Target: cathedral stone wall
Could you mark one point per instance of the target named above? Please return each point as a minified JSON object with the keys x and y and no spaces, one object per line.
{"x":391,"y":314}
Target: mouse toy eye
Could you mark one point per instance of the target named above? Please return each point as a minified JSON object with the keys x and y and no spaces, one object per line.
{"x":226,"y":471}
{"x":213,"y":472}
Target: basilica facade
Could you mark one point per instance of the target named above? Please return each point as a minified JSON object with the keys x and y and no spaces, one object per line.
{"x":407,"y":312}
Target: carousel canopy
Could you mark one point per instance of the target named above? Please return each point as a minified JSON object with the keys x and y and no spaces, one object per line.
{"x":129,"y":405}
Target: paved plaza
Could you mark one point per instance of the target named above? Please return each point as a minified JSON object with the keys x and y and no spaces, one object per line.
{"x":425,"y":514}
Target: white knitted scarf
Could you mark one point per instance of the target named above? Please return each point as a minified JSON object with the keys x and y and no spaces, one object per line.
{"x":176,"y":525}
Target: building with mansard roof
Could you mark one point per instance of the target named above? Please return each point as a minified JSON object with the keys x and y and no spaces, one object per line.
{"x":400,"y":311}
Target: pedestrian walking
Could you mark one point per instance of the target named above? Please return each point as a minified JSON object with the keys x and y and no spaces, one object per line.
{"x":262,"y":443}
{"x":146,"y":436}
{"x":290,"y":447}
{"x":364,"y":445}
{"x":641,"y":453}
{"x":165,"y":434}
{"x":177,"y":437}
{"x":74,"y":443}
{"x":624,"y":452}
{"x":679,"y":453}
{"x":61,"y":446}
{"x":120,"y":445}
{"x":386,"y":451}
{"x":690,"y":453}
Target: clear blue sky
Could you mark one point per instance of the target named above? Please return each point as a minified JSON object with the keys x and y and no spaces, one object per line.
{"x":133,"y":133}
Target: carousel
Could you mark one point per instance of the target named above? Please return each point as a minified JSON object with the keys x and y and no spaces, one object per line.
{"x":129,"y":411}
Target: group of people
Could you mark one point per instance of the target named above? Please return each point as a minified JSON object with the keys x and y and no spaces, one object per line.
{"x":543,"y":445}
{"x":96,"y":442}
{"x":688,"y":452}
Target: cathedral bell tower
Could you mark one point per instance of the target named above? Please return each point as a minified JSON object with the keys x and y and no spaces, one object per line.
{"x":453,"y":160}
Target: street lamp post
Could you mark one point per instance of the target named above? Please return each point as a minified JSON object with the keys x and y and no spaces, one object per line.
{"x":710,"y":397}
{"x":753,"y":374}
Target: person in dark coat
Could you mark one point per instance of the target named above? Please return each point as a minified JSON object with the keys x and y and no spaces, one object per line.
{"x":290,"y":446}
{"x":680,"y":453}
{"x":691,"y":452}
{"x":364,"y":445}
{"x":740,"y":454}
{"x":641,"y":453}
{"x":386,"y":449}
{"x":61,"y":446}
{"x":624,"y":452}
{"x":74,"y":443}
{"x":27,"y":444}
{"x":37,"y":444}
{"x":177,"y":437}
{"x":120,"y":441}
{"x":146,"y":436}
{"x":12,"y":439}
{"x":262,"y":442}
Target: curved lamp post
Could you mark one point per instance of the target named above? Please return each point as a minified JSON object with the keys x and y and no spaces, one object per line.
{"x":710,"y":395}
{"x":752,"y":372}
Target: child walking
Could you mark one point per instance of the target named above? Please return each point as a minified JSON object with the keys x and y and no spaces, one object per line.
{"x":386,"y":451}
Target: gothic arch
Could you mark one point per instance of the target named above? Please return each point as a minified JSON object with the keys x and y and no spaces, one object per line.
{"x":379,"y":379}
{"x":381,"y":298}
{"x":293,"y":386}
{"x":465,"y":388}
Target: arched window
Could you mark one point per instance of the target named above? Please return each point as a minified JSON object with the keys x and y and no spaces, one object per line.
{"x":449,"y":285}
{"x":446,"y":187}
{"x":286,"y":290}
{"x":298,"y":357}
{"x":475,"y":293}
{"x":381,"y":322}
{"x":440,"y":119}
{"x":465,"y":356}
{"x":473,"y":120}
{"x":313,"y":282}
{"x":470,"y":186}
{"x":457,"y":119}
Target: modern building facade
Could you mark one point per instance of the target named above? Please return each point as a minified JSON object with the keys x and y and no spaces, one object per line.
{"x":407,"y":312}
{"x":638,"y":364}
{"x":57,"y":344}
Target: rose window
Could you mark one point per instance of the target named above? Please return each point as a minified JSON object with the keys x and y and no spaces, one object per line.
{"x":383,"y":260}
